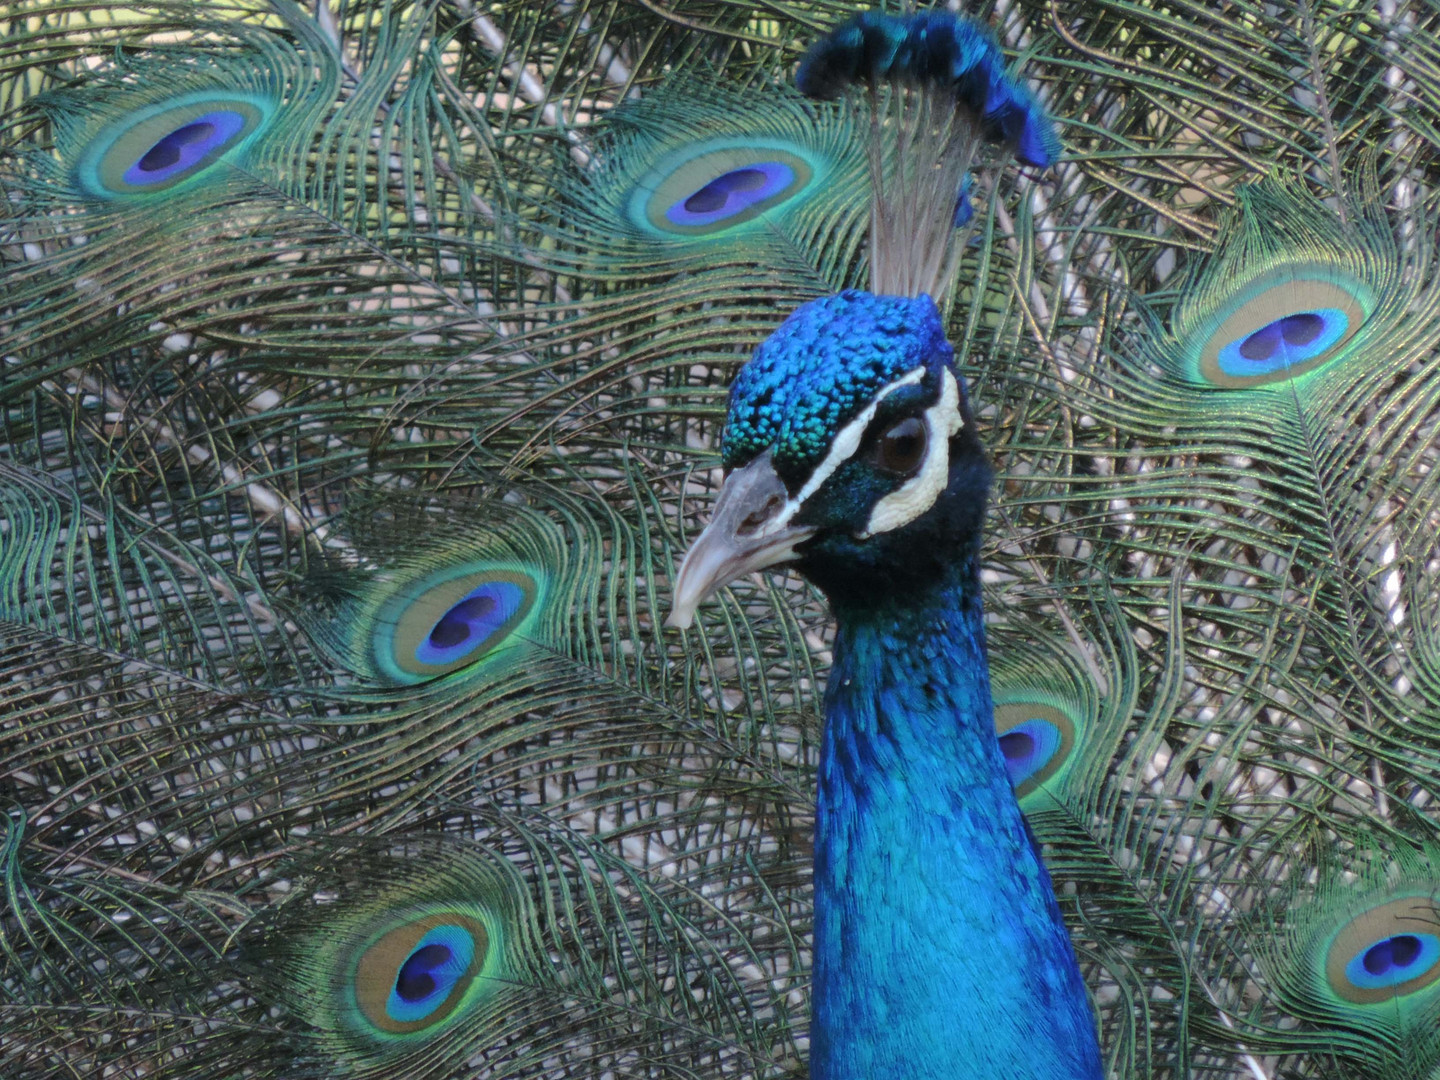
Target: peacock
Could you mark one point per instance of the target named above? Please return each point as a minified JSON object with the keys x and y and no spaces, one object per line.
{"x":850,"y":448}
{"x":368,"y":371}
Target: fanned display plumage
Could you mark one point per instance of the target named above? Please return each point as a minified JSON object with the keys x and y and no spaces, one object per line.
{"x":363,"y":372}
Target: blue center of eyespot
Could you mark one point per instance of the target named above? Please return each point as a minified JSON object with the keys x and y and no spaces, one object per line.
{"x":1400,"y":951}
{"x":471,"y":623}
{"x":429,"y":974}
{"x":1017,"y":745}
{"x":1028,"y":747}
{"x":185,"y":147}
{"x":732,"y":193}
{"x":418,"y":977}
{"x":1284,"y":343}
{"x":1394,"y":960}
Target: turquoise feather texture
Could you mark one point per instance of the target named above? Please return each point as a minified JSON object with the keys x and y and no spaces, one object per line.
{"x":941,"y":48}
{"x":403,"y":328}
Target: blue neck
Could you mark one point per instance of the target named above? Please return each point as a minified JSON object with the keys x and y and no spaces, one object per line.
{"x":939,"y":950}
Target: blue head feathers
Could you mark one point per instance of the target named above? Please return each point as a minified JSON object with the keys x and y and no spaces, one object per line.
{"x":821,"y":367}
{"x":843,"y":426}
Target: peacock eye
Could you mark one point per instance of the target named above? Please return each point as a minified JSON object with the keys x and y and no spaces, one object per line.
{"x":901,"y":450}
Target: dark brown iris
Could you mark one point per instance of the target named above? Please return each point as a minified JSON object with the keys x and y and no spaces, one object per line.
{"x":901,"y":450}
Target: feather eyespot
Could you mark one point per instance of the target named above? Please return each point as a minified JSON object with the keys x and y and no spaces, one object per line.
{"x":182,"y":148}
{"x":1286,"y":342}
{"x":452,"y":620}
{"x":401,"y":959}
{"x":415,"y":975}
{"x":900,"y":450}
{"x":713,"y":188}
{"x":1389,"y":951}
{"x":1036,"y":740}
{"x":732,"y":193}
{"x":169,"y":143}
{"x":1281,"y":326}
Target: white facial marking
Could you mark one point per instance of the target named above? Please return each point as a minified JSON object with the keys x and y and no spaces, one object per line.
{"x":844,"y":447}
{"x":942,"y":422}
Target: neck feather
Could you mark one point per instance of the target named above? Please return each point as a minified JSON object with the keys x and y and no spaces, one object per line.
{"x":939,"y":950}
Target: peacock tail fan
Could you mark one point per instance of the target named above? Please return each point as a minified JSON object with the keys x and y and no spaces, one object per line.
{"x":357,"y":957}
{"x":485,"y":604}
{"x":386,"y":282}
{"x":435,"y":956}
{"x":148,"y":778}
{"x":98,"y":966}
{"x":158,"y":128}
{"x":150,"y":757}
{"x":281,"y":270}
{"x":152,"y":152}
{"x":546,"y":648}
{"x":1069,"y":687}
{"x":675,"y":298}
{"x":1286,"y":515}
{"x":1258,"y":545}
{"x":84,"y":568}
{"x":400,"y":957}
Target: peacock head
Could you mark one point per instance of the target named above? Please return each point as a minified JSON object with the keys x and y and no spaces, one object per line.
{"x":849,"y":448}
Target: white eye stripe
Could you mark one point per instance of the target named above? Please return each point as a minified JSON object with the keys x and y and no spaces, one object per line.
{"x":942,"y":421}
{"x":843,"y":448}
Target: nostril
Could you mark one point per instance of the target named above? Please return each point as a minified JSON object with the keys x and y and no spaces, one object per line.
{"x":757,"y":518}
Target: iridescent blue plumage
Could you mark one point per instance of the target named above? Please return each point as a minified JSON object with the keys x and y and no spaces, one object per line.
{"x":940,"y":951}
{"x":964,"y":209}
{"x":939,"y":947}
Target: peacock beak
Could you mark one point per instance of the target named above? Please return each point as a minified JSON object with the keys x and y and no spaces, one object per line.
{"x":749,"y":530}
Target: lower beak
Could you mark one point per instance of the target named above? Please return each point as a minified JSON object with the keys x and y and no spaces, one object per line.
{"x":745,"y":533}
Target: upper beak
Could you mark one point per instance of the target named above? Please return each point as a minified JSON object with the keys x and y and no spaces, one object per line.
{"x":747,"y":532}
